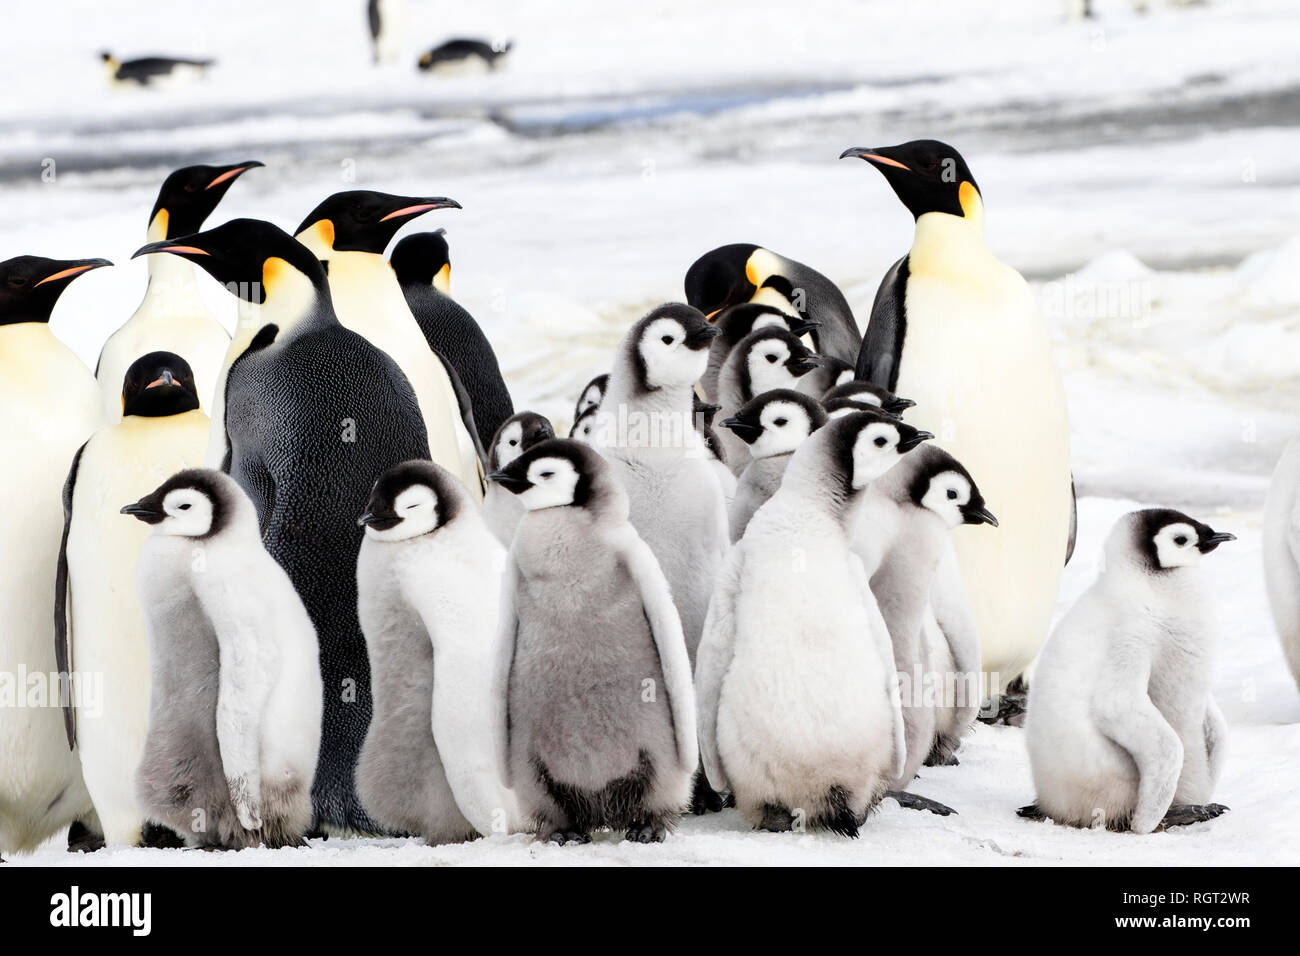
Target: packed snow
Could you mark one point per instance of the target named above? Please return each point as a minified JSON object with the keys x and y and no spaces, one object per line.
{"x":1139,"y":170}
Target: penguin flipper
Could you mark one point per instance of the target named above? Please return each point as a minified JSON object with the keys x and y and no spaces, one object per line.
{"x":953,"y":615}
{"x":712,"y":661}
{"x":62,"y":619}
{"x":1074,"y":521}
{"x":507,"y":636}
{"x":1125,"y":714}
{"x":881,"y":355}
{"x":879,"y":634}
{"x":466,"y":406}
{"x":670,"y":643}
{"x":243,"y":686}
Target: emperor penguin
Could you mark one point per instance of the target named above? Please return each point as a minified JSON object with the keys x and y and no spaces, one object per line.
{"x":583,"y":426}
{"x":314,"y":414}
{"x":868,"y":396}
{"x":766,"y":359}
{"x":595,"y":715}
{"x":904,"y":538}
{"x":349,"y":232}
{"x":704,"y":414}
{"x":173,"y":317}
{"x":1122,"y":729}
{"x":49,"y":406}
{"x":235,"y":704}
{"x":387,"y":22}
{"x":744,"y":272}
{"x":428,"y":595}
{"x":154,"y":70}
{"x":423,"y":266}
{"x":736,"y":322}
{"x":826,"y":756}
{"x":99,"y":621}
{"x":592,"y":395}
{"x":960,"y":333}
{"x":1281,"y":538}
{"x":830,"y":373}
{"x":501,"y":509}
{"x":464,"y":56}
{"x":773,"y":425}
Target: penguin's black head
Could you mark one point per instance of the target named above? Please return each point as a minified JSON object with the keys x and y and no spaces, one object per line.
{"x":517,"y":434}
{"x":250,"y":257}
{"x":718,"y":278}
{"x":927,"y":175}
{"x":776,"y":422}
{"x":555,"y":473}
{"x":866,"y":394}
{"x":1168,"y":539}
{"x":423,"y":258}
{"x":361,"y":220}
{"x":30,"y":285}
{"x":189,"y":195}
{"x":772,"y":357}
{"x":669,"y":346}
{"x":592,"y":395}
{"x":942,"y":485}
{"x":737,"y":321}
{"x":866,"y":444}
{"x":411,"y":499}
{"x":159,"y":384}
{"x":194,"y":503}
{"x":584,"y":424}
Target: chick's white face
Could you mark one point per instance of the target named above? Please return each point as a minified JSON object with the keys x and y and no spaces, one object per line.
{"x":769,"y":319}
{"x":767,"y":369}
{"x":864,"y":398}
{"x":417,"y":507}
{"x":875,"y":451}
{"x":510,"y":444}
{"x":554,"y":482}
{"x":948,"y":493}
{"x":785,"y":426}
{"x":1176,"y":546}
{"x":669,"y":362}
{"x":189,"y":513}
{"x":583,"y":428}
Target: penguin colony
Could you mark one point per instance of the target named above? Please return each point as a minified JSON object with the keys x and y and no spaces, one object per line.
{"x":363,"y":594}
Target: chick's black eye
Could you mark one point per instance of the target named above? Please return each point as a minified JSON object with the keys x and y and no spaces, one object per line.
{"x":780,"y":423}
{"x":548,"y":474}
{"x":1180,"y":540}
{"x":770,"y":357}
{"x":667,"y":340}
{"x":185,"y":507}
{"x":881,"y":441}
{"x":952,"y":494}
{"x":514,"y":442}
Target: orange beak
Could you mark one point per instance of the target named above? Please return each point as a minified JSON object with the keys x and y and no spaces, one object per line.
{"x":63,"y":274}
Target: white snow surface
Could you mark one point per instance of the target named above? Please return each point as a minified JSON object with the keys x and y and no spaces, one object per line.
{"x":1139,"y":170}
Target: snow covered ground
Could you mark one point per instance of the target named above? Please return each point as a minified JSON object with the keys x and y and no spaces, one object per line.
{"x":1140,"y":170}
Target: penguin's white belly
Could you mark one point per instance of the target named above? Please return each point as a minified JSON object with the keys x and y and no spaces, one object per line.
{"x":472,"y":65}
{"x":118,"y":467}
{"x":977,"y":362}
{"x":1080,"y":775}
{"x":197,"y":337}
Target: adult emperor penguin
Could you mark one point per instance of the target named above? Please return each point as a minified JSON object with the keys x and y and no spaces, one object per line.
{"x":1281,"y":539}
{"x":773,"y":424}
{"x":349,"y":232}
{"x":464,"y":56}
{"x":98,"y":618}
{"x":587,"y":614}
{"x":234,"y":712}
{"x":151,"y":70}
{"x":826,"y":756}
{"x":387,"y":22}
{"x":173,"y":316}
{"x":743,"y":272}
{"x":736,"y":322}
{"x":1123,"y":731}
{"x":766,"y":359}
{"x":501,"y":509}
{"x":423,"y":266}
{"x":314,"y":413}
{"x":48,"y":406}
{"x":868,"y":396}
{"x":428,"y":595}
{"x":960,"y":333}
{"x":903,"y":537}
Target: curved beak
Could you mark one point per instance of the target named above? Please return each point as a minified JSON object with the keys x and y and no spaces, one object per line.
{"x":416,"y":207}
{"x":379,"y":520}
{"x":542,"y":433}
{"x":71,"y":268}
{"x":876,"y":157}
{"x":142,"y":511}
{"x":1213,"y":540}
{"x":166,"y":378}
{"x":701,"y":338}
{"x":804,"y":326}
{"x":746,"y":431}
{"x":980,"y":515}
{"x":802,"y":365}
{"x":908,"y":442}
{"x":231,"y":172}
{"x":169,"y":245}
{"x":896,"y":405}
{"x":510,"y":482}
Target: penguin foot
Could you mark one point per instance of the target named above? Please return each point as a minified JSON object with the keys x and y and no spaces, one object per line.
{"x":159,"y":837}
{"x":1190,"y":813}
{"x":1031,"y":812}
{"x":564,"y":837}
{"x":729,"y":801}
{"x":646,"y":833}
{"x":82,"y":839}
{"x":316,"y":834}
{"x":912,"y":801}
{"x":1009,"y":710}
{"x":776,"y":819}
{"x":704,"y":799}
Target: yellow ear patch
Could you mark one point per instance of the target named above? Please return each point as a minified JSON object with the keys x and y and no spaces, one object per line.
{"x":751,"y":273}
{"x":442,"y":281}
{"x":158,"y":228}
{"x":969,"y":197}
{"x":273,"y":272}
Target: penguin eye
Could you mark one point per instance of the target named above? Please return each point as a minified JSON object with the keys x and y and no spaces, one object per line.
{"x":952,"y":494}
{"x":1180,"y":540}
{"x":780,"y":423}
{"x":770,"y":357}
{"x":191,"y":187}
{"x":185,"y":506}
{"x":17,"y":282}
{"x":666,"y":340}
{"x":514,"y":442}
{"x":548,"y":474}
{"x":881,"y":441}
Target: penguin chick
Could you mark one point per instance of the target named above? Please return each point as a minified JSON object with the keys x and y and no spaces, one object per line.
{"x":737,"y":321}
{"x":595,"y":711}
{"x":766,"y":359}
{"x":831,"y":373}
{"x":592,"y":395}
{"x":584,"y":425}
{"x":517,"y":434}
{"x":1122,"y":729}
{"x":428,"y":590}
{"x":827,"y":754}
{"x":704,"y":413}
{"x":868,"y":395}
{"x":773,"y":424}
{"x":235,"y":703}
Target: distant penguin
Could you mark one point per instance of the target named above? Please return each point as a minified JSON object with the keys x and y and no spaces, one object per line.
{"x":737,"y":321}
{"x":766,"y":359}
{"x":464,"y":56}
{"x":387,"y":22}
{"x":154,"y":70}
{"x":810,"y":636}
{"x":98,"y":619}
{"x":586,"y":616}
{"x":517,"y":434}
{"x":235,"y":704}
{"x":423,"y":268}
{"x":1123,"y":731}
{"x":960,"y":333}
{"x":314,"y":414}
{"x":592,"y":395}
{"x":48,"y":407}
{"x":773,"y":425}
{"x":868,"y":396}
{"x":903,"y":537}
{"x":743,"y":272}
{"x":428,"y":595}
{"x":349,"y":232}
{"x":173,"y":316}
{"x":1281,"y":540}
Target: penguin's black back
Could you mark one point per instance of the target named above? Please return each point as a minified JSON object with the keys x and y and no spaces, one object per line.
{"x":147,"y":68}
{"x":452,"y":332}
{"x":291,"y":409}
